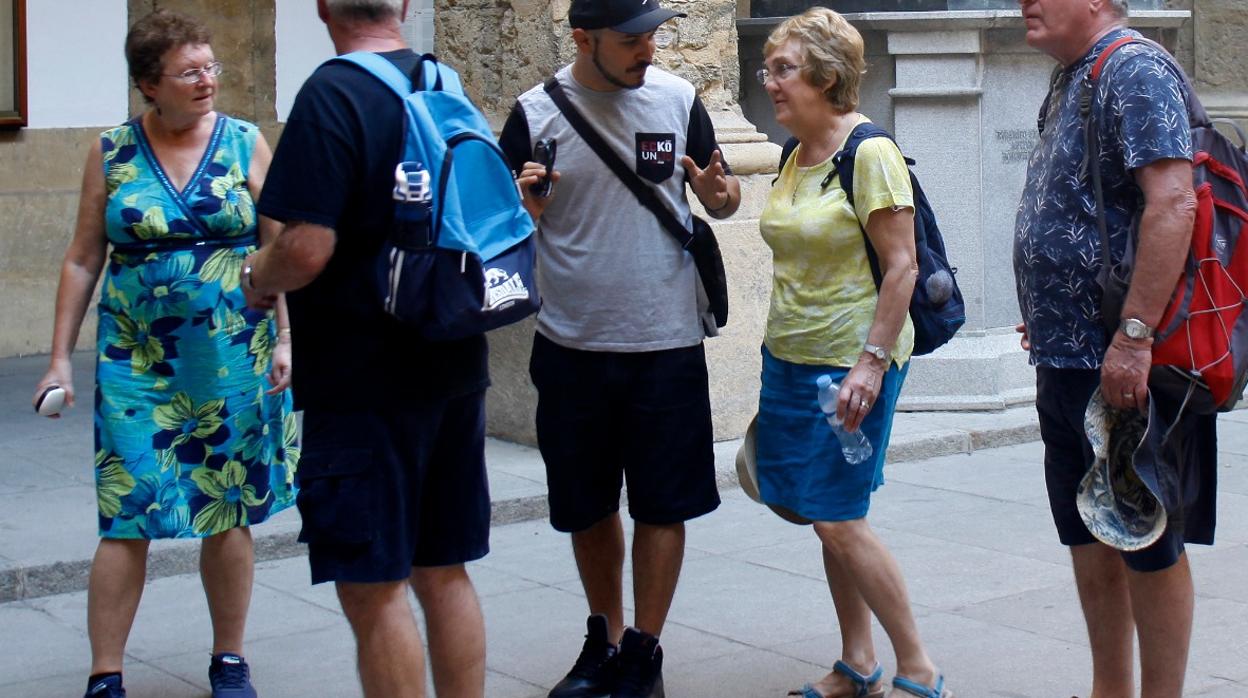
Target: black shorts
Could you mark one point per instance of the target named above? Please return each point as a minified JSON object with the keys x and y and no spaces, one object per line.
{"x":603,"y":417}
{"x":1061,"y":398}
{"x":381,"y":493}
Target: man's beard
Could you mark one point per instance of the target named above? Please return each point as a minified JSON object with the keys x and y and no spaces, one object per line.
{"x":602,"y":70}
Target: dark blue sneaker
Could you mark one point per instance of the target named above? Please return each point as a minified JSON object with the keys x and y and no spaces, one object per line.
{"x":593,"y":675}
{"x":640,"y":666}
{"x":230,"y":677}
{"x":107,"y":687}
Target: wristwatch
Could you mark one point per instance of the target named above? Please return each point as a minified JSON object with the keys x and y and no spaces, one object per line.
{"x":1135,"y":329}
{"x":876,"y":350}
{"x":245,"y":275}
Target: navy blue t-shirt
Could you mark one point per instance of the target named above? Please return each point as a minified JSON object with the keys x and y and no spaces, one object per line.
{"x":1056,"y":243}
{"x":334,"y":166}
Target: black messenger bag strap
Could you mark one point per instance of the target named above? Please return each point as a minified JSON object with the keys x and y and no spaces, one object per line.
{"x":644,"y":193}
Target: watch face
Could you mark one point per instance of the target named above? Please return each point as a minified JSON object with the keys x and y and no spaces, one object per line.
{"x":1134,"y":328}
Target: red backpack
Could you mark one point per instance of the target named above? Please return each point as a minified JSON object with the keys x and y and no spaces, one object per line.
{"x":1201,"y":346}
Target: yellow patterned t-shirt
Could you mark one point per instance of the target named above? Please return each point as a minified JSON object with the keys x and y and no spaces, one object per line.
{"x":823,"y":295}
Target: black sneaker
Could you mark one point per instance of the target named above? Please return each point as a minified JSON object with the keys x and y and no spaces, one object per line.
{"x":641,"y":666}
{"x":107,"y":687}
{"x":230,"y":677}
{"x":593,"y":675}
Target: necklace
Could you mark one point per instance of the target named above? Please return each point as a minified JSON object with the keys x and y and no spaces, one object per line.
{"x":838,"y":135}
{"x":798,"y":185}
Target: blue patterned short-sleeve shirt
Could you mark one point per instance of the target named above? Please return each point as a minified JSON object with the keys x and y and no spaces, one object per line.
{"x":1056,"y":244}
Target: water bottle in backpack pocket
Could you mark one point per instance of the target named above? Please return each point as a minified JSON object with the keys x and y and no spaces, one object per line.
{"x":404,"y":268}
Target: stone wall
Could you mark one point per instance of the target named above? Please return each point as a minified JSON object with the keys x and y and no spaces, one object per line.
{"x":1213,"y":48}
{"x":39,"y":185}
{"x":243,"y":40}
{"x":503,"y":47}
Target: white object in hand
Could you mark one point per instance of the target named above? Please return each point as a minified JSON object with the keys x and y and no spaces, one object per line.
{"x":51,"y":401}
{"x":854,"y":446}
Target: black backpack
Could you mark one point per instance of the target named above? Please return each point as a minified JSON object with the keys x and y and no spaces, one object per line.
{"x":936,"y":308}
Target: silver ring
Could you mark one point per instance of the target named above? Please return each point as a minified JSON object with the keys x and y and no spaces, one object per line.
{"x":864,"y":404}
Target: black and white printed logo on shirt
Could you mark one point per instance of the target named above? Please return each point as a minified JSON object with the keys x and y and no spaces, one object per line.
{"x":656,"y":156}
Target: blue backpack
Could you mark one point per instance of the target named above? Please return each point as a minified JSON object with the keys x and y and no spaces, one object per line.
{"x":936,"y":308}
{"x":459,"y":260}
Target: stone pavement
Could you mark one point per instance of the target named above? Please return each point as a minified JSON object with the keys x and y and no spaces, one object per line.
{"x":47,"y":494}
{"x":991,"y":587}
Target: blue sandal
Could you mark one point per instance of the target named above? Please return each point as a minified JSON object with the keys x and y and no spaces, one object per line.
{"x":918,"y":689}
{"x":865,"y":686}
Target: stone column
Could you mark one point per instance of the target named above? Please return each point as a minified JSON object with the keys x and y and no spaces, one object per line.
{"x":971,"y":151}
{"x":502,"y":48}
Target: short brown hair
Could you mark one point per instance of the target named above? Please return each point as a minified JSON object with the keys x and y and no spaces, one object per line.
{"x":831,"y":50}
{"x":150,"y":38}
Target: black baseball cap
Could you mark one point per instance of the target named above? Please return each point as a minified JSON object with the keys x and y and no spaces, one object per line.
{"x":624,"y":16}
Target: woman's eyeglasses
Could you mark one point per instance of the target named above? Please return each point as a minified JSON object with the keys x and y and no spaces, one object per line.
{"x":194,"y":75}
{"x":780,"y":72}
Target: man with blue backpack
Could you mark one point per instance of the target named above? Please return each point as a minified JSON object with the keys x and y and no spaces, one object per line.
{"x":617,"y":359}
{"x":392,"y":483}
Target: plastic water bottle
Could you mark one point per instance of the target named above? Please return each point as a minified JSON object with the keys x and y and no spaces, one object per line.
{"x":855,"y":447}
{"x":412,"y":216}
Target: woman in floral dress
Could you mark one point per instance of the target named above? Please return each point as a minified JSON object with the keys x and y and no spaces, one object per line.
{"x":194,"y":436}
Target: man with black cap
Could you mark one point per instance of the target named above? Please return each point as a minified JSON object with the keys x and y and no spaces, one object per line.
{"x":617,"y":358}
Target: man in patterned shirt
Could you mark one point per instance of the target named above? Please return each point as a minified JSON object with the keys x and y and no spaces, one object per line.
{"x":1145,"y":159}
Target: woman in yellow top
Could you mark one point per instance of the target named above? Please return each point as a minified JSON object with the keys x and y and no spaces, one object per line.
{"x":827,"y":318}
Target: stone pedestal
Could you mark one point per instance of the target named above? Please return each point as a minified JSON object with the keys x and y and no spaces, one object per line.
{"x":960,"y":91}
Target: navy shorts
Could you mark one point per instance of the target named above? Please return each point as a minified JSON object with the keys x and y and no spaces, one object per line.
{"x":1061,"y":398}
{"x":381,"y":493}
{"x":607,"y":417}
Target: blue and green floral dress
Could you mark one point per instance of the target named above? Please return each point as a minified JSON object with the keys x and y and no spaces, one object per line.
{"x":187,"y":443}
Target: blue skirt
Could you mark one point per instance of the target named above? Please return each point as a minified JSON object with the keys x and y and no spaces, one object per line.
{"x":800,"y":465}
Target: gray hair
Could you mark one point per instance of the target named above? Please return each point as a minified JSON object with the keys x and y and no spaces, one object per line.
{"x":1119,"y":7}
{"x":365,"y":10}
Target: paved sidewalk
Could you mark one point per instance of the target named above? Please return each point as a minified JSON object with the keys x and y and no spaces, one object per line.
{"x":991,"y":587}
{"x":47,"y":494}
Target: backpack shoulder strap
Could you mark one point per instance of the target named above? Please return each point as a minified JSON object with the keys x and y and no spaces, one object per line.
{"x":428,"y":70}
{"x":843,"y":167}
{"x":380,"y":68}
{"x":785,"y":152}
{"x":843,"y":161}
{"x":1089,"y":110}
{"x":1048,"y":98}
{"x":644,"y":193}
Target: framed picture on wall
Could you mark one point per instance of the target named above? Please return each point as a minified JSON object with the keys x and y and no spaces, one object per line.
{"x":12,"y":63}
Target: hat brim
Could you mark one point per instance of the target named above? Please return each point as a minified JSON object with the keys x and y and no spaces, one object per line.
{"x":747,"y":476}
{"x":1118,"y":508}
{"x":648,"y":22}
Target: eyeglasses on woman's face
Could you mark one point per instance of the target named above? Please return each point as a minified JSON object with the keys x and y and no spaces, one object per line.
{"x":194,"y":75}
{"x":779,"y":72}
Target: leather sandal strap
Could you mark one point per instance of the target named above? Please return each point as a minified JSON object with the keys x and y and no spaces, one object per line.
{"x":918,"y":689}
{"x":807,"y":691}
{"x":862,"y":682}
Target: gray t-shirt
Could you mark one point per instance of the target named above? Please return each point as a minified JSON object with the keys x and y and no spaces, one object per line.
{"x":611,"y":278}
